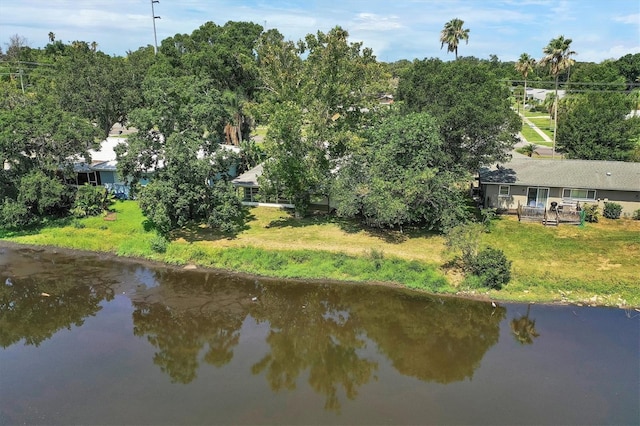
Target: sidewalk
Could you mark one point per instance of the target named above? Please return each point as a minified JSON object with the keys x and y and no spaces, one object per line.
{"x":544,"y":136}
{"x":540,"y":149}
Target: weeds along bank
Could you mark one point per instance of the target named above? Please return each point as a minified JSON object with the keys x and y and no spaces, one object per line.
{"x":592,"y":265}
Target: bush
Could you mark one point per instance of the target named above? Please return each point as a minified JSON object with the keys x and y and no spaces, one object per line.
{"x":14,"y":215}
{"x":591,"y":212}
{"x":90,"y":201}
{"x":492,"y":267}
{"x":636,"y":215}
{"x":159,"y":244}
{"x":612,"y":210}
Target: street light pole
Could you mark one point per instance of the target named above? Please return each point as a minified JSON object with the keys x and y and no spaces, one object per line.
{"x":154,"y":17}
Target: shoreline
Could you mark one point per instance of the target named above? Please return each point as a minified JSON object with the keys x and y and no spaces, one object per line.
{"x":192,"y":266}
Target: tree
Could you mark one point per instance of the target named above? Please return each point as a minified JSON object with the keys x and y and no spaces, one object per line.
{"x":180,"y":126}
{"x":471,"y":106}
{"x":296,"y":167}
{"x":401,"y":176}
{"x":524,"y":66}
{"x":529,"y":149}
{"x":237,"y":128}
{"x":629,"y":68}
{"x":557,"y":57}
{"x":16,"y":48}
{"x":594,"y":126}
{"x":223,"y":54}
{"x":451,"y":35}
{"x":94,"y":85}
{"x":603,"y":76}
{"x":332,"y":89}
{"x":279,"y":67}
{"x":38,"y":145}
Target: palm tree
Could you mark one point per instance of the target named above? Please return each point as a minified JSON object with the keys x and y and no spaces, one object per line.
{"x":234,"y":104}
{"x":557,"y":55}
{"x":451,"y":35}
{"x":524,"y":66}
{"x":530,"y":149}
{"x":52,"y":36}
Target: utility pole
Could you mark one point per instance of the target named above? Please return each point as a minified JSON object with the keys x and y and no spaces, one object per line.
{"x":154,"y":17}
{"x":21,"y":82}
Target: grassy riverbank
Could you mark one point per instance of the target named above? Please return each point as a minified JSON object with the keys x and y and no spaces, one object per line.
{"x":596,"y":264}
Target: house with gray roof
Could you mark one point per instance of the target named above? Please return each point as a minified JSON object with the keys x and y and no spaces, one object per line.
{"x":538,"y":183}
{"x":248,"y":189}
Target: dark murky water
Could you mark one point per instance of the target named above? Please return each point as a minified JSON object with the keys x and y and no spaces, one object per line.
{"x":89,"y":340}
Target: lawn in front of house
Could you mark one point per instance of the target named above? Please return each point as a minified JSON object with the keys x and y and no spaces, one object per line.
{"x":544,"y":124}
{"x":593,"y":264}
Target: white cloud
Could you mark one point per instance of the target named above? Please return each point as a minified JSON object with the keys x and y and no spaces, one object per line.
{"x":633,"y":19}
{"x":374,"y":22}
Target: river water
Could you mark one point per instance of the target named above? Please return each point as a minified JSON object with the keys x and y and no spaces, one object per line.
{"x":88,"y":339}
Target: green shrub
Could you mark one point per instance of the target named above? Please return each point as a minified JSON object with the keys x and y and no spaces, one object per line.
{"x":492,"y":267}
{"x":159,"y":244}
{"x":636,"y":215}
{"x":90,"y":201}
{"x":591,"y":212}
{"x":14,"y":215}
{"x":612,"y":210}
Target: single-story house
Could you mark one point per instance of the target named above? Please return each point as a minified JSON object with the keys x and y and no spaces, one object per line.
{"x":103,"y":168}
{"x":248,"y":189}
{"x":538,"y":183}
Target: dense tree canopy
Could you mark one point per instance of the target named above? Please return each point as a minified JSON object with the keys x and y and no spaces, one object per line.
{"x":596,"y":126}
{"x":400,"y":176}
{"x":179,"y":130}
{"x":38,"y":146}
{"x":319,"y":98}
{"x":470,"y":104}
{"x":328,"y":96}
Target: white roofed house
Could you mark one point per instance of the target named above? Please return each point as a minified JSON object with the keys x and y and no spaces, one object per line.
{"x":546,"y":184}
{"x":102,"y":170}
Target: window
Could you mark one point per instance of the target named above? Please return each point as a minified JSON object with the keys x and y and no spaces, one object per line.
{"x":537,"y":197}
{"x":503,"y":190}
{"x":579,"y":194}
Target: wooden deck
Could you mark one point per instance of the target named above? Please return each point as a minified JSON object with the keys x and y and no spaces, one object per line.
{"x":549,"y":217}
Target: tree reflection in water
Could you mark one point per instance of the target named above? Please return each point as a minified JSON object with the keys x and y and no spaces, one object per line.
{"x":328,"y":332}
{"x":34,"y":306}
{"x":524,"y":328}
{"x":187,"y":313}
{"x":312,"y":329}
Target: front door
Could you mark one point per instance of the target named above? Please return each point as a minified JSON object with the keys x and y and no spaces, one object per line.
{"x":537,"y":197}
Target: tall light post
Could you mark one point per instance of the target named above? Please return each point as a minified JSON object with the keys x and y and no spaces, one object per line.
{"x":154,"y":17}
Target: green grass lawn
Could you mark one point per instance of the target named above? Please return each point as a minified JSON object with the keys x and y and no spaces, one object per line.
{"x":596,"y":264}
{"x":531,"y":135}
{"x":530,"y":114}
{"x":544,"y":124}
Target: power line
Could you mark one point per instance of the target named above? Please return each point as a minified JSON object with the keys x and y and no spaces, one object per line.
{"x":567,"y":83}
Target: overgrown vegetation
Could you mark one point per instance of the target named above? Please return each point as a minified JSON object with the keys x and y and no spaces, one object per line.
{"x":491,"y":267}
{"x":563,"y":264}
{"x":402,"y":170}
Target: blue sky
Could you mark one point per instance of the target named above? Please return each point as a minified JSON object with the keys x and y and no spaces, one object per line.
{"x":394,"y":29}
